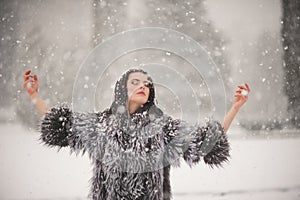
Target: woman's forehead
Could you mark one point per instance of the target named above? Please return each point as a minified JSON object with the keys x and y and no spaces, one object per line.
{"x":138,"y":75}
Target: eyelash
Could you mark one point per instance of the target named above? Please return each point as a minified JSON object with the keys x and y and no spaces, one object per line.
{"x":137,"y":82}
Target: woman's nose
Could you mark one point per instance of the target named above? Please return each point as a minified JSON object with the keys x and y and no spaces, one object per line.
{"x":142,"y":86}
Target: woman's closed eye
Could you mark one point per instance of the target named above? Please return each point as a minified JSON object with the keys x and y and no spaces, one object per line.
{"x":137,"y":82}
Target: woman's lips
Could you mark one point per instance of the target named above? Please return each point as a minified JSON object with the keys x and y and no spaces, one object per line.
{"x":142,"y":93}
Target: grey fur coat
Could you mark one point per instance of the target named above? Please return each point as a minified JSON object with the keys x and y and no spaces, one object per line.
{"x":133,"y":161}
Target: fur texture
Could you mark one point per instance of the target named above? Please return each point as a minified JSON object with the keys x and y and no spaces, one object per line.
{"x":133,"y":161}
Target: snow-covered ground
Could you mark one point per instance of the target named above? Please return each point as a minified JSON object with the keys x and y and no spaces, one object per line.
{"x":261,"y":167}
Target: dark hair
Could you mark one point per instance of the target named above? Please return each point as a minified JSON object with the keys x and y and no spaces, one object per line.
{"x":121,"y":97}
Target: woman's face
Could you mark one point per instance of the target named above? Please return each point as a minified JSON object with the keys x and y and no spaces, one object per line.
{"x":138,"y":88}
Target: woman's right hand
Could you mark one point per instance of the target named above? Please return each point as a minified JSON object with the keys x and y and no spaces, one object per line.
{"x":30,"y":83}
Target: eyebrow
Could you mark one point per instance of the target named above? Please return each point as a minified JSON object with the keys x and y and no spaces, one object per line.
{"x":140,"y":80}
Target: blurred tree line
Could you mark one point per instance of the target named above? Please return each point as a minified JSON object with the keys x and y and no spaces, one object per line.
{"x":37,"y":43}
{"x":50,"y":38}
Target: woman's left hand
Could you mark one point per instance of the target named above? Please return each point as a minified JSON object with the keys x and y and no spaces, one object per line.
{"x":241,"y":96}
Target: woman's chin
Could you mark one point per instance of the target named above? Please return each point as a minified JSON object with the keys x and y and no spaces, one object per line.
{"x":142,"y":103}
{"x":140,"y":100}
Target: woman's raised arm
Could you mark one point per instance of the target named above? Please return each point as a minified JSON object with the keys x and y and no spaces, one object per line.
{"x":240,"y":97}
{"x":60,"y":126}
{"x":31,"y":86}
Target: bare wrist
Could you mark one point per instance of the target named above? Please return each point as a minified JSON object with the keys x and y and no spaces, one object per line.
{"x":235,"y":108}
{"x":33,"y":95}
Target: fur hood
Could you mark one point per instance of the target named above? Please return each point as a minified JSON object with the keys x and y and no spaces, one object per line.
{"x":132,"y":153}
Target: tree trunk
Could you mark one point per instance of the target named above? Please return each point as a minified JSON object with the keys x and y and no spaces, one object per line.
{"x":291,"y":58}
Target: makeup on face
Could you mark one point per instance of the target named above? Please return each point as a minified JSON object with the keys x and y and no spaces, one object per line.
{"x":136,"y":81}
{"x":138,"y":90}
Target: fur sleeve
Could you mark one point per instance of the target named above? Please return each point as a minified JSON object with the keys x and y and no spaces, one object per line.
{"x":80,"y":131}
{"x":56,"y":126}
{"x":209,"y":142}
{"x":194,"y":142}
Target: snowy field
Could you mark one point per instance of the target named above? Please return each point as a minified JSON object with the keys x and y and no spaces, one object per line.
{"x":261,"y":167}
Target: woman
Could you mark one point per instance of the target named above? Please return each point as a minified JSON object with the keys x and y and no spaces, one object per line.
{"x":133,"y":143}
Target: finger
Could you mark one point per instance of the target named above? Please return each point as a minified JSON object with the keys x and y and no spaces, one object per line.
{"x":30,"y":81}
{"x":247,"y":86}
{"x":242,"y":87}
{"x":25,"y":75}
{"x":27,"y":72}
{"x":28,"y":77}
{"x":238,"y":91}
{"x":35,"y":77}
{"x":239,"y":95}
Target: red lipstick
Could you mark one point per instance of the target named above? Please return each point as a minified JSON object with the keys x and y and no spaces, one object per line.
{"x":141,"y":92}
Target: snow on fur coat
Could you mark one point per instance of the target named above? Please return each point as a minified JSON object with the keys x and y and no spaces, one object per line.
{"x":133,"y":161}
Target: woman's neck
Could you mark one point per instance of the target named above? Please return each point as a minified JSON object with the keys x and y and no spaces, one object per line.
{"x":133,"y":107}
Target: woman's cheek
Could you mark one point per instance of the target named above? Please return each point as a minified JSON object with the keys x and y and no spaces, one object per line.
{"x":129,"y":92}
